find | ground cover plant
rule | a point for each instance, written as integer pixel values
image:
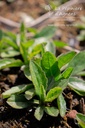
(39, 86)
(18, 46)
(49, 75)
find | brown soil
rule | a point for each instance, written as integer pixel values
(30, 7)
(13, 118)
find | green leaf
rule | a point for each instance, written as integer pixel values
(29, 94)
(38, 61)
(66, 74)
(81, 119)
(59, 44)
(63, 59)
(61, 83)
(8, 41)
(38, 47)
(82, 73)
(27, 72)
(32, 30)
(61, 105)
(28, 44)
(38, 77)
(50, 47)
(38, 41)
(78, 63)
(52, 111)
(53, 94)
(11, 35)
(1, 34)
(36, 50)
(39, 113)
(1, 47)
(6, 63)
(18, 101)
(22, 33)
(47, 32)
(9, 53)
(77, 85)
(53, 5)
(42, 93)
(50, 65)
(24, 53)
(16, 90)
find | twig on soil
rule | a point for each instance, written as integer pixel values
(39, 21)
(50, 14)
(68, 48)
(9, 22)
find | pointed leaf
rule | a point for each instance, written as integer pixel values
(77, 85)
(32, 30)
(66, 74)
(24, 53)
(50, 47)
(78, 63)
(22, 33)
(18, 102)
(9, 53)
(63, 59)
(39, 113)
(38, 77)
(50, 64)
(11, 35)
(61, 105)
(42, 93)
(59, 44)
(53, 94)
(16, 90)
(27, 72)
(28, 44)
(52, 111)
(62, 83)
(29, 94)
(6, 63)
(36, 50)
(10, 43)
(47, 32)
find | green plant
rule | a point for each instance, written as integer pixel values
(49, 77)
(47, 84)
(14, 45)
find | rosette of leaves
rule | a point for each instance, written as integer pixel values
(47, 84)
(49, 76)
(20, 46)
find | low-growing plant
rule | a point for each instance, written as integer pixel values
(14, 45)
(48, 76)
